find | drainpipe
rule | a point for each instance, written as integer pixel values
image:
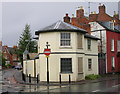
(34, 68)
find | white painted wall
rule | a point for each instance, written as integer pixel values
(53, 38)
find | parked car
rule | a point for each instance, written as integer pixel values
(19, 67)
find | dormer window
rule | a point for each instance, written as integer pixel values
(111, 25)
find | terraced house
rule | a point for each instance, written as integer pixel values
(73, 52)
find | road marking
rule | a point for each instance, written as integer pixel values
(96, 91)
(115, 86)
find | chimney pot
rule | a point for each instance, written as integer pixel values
(72, 15)
(99, 4)
(80, 7)
(114, 12)
(94, 12)
(66, 14)
(91, 12)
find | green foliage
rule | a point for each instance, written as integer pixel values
(8, 65)
(2, 60)
(25, 41)
(92, 77)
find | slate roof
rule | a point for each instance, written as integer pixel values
(90, 36)
(107, 26)
(60, 26)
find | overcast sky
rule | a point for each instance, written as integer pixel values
(39, 15)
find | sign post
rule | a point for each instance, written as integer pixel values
(47, 53)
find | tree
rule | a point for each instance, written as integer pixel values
(25, 42)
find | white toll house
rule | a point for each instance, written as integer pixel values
(73, 52)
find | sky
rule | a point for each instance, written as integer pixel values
(15, 15)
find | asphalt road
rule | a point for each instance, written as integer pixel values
(104, 86)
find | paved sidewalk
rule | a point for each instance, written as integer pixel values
(18, 78)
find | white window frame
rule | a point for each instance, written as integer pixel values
(66, 40)
(118, 45)
(66, 66)
(113, 61)
(112, 44)
(112, 25)
(89, 44)
(90, 63)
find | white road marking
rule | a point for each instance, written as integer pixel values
(96, 91)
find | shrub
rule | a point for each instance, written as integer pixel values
(8, 65)
(92, 77)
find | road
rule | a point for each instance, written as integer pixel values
(104, 86)
(9, 85)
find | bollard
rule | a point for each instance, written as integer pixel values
(60, 78)
(29, 78)
(37, 78)
(69, 79)
(23, 78)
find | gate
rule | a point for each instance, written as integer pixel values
(102, 63)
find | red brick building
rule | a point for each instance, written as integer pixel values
(100, 25)
(83, 22)
(9, 54)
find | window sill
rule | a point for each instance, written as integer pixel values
(89, 49)
(113, 51)
(89, 69)
(66, 72)
(79, 48)
(80, 72)
(65, 47)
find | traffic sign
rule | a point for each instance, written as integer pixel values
(47, 52)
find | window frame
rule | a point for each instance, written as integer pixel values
(113, 61)
(90, 63)
(112, 44)
(65, 38)
(64, 68)
(89, 44)
(118, 45)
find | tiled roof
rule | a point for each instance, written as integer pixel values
(60, 26)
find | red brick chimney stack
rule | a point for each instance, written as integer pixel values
(0, 43)
(80, 12)
(67, 18)
(102, 9)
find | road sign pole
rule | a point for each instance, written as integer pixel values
(47, 65)
(47, 71)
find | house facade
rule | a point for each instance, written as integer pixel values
(9, 54)
(73, 52)
(109, 43)
(80, 20)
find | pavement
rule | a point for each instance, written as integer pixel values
(18, 79)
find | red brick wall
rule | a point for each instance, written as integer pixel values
(112, 35)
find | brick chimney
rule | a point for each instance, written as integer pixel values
(15, 46)
(0, 43)
(80, 12)
(102, 9)
(67, 18)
